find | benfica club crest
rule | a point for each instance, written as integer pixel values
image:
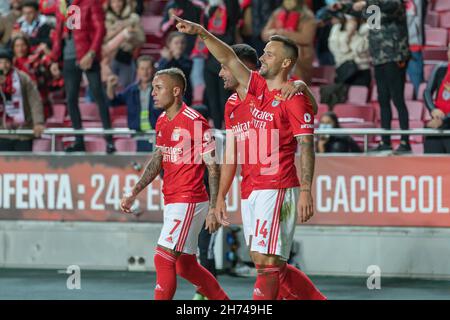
(277, 100)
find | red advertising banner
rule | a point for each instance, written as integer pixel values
(348, 190)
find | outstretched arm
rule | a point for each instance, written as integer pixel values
(219, 49)
(307, 159)
(152, 169)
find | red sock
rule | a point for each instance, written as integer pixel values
(166, 276)
(295, 285)
(267, 283)
(192, 271)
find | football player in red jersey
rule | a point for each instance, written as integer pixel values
(281, 125)
(184, 147)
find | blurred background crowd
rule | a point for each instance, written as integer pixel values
(86, 63)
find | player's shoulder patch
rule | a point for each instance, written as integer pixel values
(191, 113)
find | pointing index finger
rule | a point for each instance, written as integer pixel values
(177, 18)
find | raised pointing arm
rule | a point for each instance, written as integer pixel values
(219, 49)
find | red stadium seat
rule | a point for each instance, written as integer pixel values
(409, 91)
(42, 145)
(358, 95)
(435, 54)
(323, 75)
(351, 113)
(151, 24)
(155, 7)
(427, 70)
(95, 144)
(442, 5)
(119, 122)
(444, 18)
(415, 110)
(322, 108)
(315, 90)
(432, 19)
(59, 113)
(125, 145)
(45, 145)
(417, 148)
(421, 91)
(436, 37)
(89, 111)
(92, 124)
(120, 111)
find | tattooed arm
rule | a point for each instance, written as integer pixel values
(152, 169)
(307, 159)
(214, 177)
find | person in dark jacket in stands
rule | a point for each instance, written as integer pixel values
(328, 144)
(389, 49)
(173, 56)
(439, 107)
(142, 114)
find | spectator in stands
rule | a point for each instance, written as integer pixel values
(20, 106)
(80, 51)
(8, 21)
(261, 10)
(124, 35)
(334, 143)
(349, 43)
(416, 11)
(172, 56)
(439, 107)
(221, 20)
(34, 25)
(142, 114)
(389, 50)
(191, 10)
(36, 66)
(295, 21)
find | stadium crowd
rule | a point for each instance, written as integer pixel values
(93, 67)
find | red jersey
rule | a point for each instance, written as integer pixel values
(277, 123)
(183, 140)
(237, 119)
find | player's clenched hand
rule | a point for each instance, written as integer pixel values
(126, 203)
(212, 225)
(186, 26)
(221, 212)
(291, 88)
(305, 206)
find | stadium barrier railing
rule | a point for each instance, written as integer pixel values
(366, 133)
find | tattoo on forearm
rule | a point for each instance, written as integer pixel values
(152, 169)
(214, 179)
(307, 159)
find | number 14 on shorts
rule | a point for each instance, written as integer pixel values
(263, 230)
